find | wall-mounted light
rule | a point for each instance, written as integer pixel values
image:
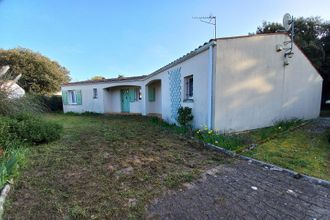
(279, 47)
(289, 55)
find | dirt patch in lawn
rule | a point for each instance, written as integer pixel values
(105, 167)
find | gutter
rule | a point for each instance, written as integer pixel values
(210, 85)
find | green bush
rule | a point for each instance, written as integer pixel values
(32, 129)
(27, 104)
(5, 124)
(8, 139)
(12, 150)
(52, 103)
(185, 116)
(27, 128)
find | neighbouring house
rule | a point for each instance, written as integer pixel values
(232, 84)
(12, 89)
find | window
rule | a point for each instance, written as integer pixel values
(189, 87)
(134, 94)
(151, 94)
(95, 93)
(139, 93)
(72, 98)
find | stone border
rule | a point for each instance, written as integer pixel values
(270, 166)
(4, 192)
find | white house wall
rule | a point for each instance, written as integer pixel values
(302, 88)
(88, 103)
(155, 106)
(253, 88)
(107, 102)
(113, 102)
(198, 67)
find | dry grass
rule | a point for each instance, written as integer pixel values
(105, 167)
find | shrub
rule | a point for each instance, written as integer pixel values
(35, 130)
(185, 116)
(11, 150)
(10, 105)
(52, 103)
(26, 104)
(4, 127)
(8, 138)
(5, 134)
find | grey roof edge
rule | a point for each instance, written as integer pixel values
(192, 53)
(104, 81)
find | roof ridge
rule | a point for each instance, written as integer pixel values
(251, 35)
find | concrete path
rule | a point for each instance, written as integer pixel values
(244, 191)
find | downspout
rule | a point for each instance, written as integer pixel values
(210, 86)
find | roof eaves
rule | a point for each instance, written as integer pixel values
(192, 53)
(250, 35)
(111, 80)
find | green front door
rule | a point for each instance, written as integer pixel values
(124, 97)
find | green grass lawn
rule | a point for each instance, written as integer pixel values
(299, 149)
(290, 144)
(105, 167)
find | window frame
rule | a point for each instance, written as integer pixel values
(138, 94)
(72, 97)
(151, 94)
(189, 88)
(95, 93)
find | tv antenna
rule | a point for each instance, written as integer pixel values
(288, 24)
(212, 20)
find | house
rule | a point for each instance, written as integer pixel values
(232, 84)
(10, 87)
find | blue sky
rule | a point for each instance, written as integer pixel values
(103, 37)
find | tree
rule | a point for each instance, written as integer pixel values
(40, 75)
(312, 35)
(98, 78)
(269, 27)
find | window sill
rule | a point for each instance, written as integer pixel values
(188, 100)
